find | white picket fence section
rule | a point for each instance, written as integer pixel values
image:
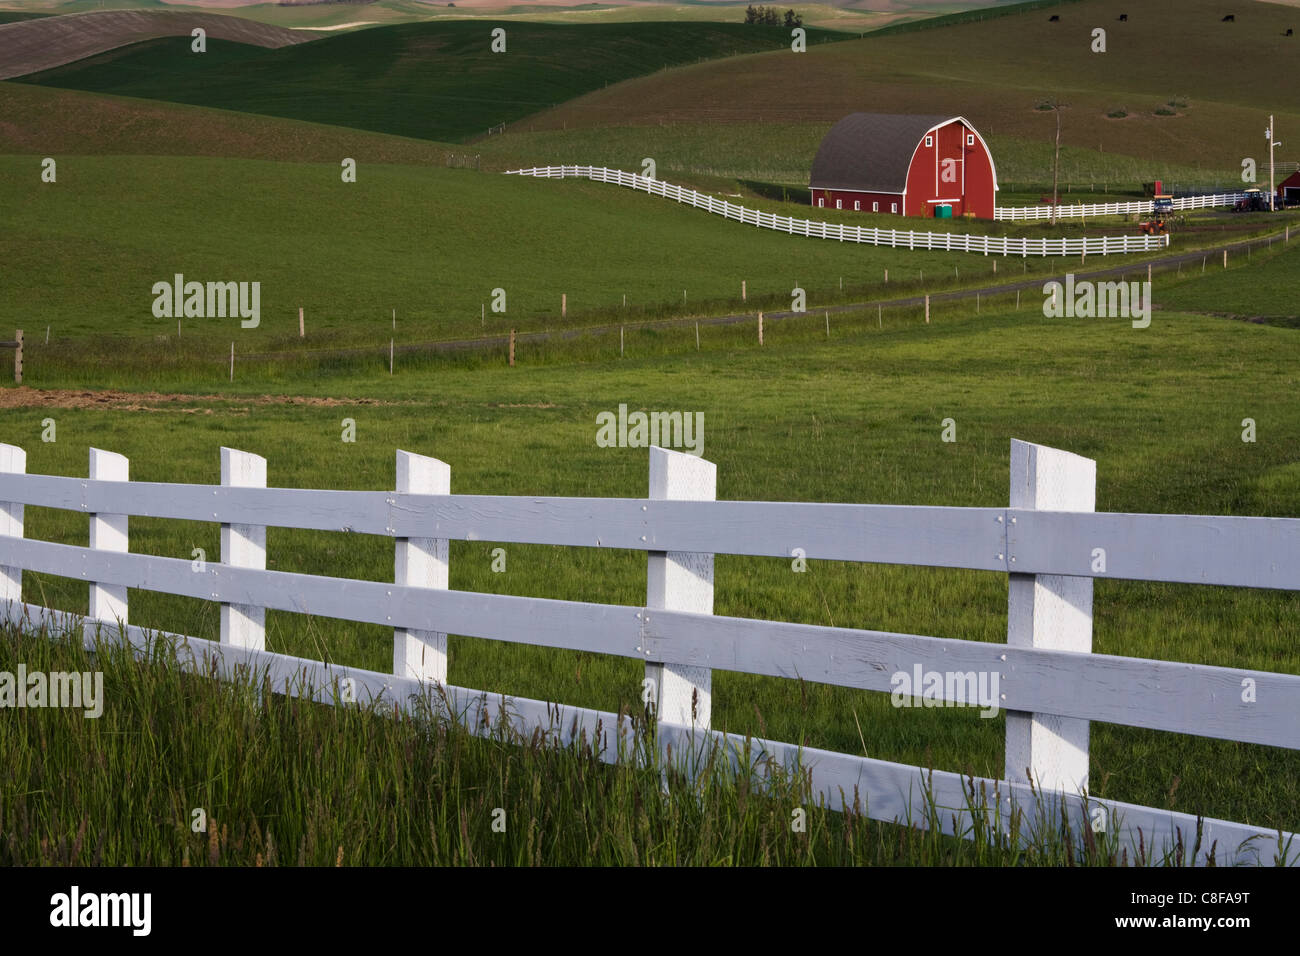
(1140, 207)
(898, 238)
(1049, 541)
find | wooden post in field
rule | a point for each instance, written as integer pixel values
(13, 461)
(880, 321)
(744, 295)
(697, 336)
(995, 267)
(680, 581)
(1225, 258)
(927, 310)
(1148, 272)
(1203, 258)
(1017, 300)
(390, 356)
(232, 361)
(760, 328)
(302, 327)
(243, 546)
(977, 303)
(482, 314)
(886, 276)
(108, 533)
(620, 341)
(512, 348)
(828, 323)
(18, 356)
(421, 563)
(1048, 611)
(564, 304)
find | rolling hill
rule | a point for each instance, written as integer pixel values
(430, 80)
(1192, 90)
(41, 43)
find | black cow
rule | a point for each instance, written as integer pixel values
(1053, 18)
(1289, 32)
(1123, 18)
(1230, 18)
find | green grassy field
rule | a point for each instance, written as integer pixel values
(855, 418)
(431, 243)
(438, 80)
(1267, 291)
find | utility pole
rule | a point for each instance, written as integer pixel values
(1272, 189)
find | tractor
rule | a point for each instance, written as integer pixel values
(1252, 200)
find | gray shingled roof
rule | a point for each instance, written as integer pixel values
(870, 151)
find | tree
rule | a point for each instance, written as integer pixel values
(751, 15)
(792, 19)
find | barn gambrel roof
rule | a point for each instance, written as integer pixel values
(871, 152)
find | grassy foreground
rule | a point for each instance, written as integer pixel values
(853, 417)
(181, 770)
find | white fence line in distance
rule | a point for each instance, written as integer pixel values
(897, 238)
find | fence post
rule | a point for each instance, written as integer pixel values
(13, 461)
(108, 533)
(243, 546)
(680, 581)
(1048, 611)
(18, 357)
(421, 563)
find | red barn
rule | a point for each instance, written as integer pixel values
(1288, 191)
(908, 165)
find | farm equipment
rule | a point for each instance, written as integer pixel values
(1254, 200)
(1153, 227)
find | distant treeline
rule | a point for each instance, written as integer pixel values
(772, 17)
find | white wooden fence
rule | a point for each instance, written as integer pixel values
(1049, 541)
(899, 238)
(1141, 207)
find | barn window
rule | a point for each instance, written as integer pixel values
(821, 203)
(970, 139)
(929, 141)
(839, 204)
(875, 207)
(893, 207)
(857, 205)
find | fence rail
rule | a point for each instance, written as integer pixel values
(1140, 207)
(1050, 543)
(898, 238)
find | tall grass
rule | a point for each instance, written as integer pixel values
(183, 770)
